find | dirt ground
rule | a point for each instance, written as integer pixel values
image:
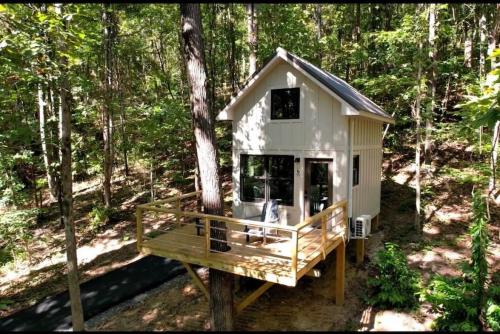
(179, 305)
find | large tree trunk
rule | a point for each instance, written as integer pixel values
(221, 283)
(252, 37)
(108, 36)
(432, 83)
(47, 153)
(66, 189)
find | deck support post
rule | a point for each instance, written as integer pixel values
(253, 296)
(375, 223)
(360, 250)
(340, 274)
(196, 279)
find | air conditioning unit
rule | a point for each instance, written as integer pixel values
(361, 227)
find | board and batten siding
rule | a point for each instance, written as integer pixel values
(320, 132)
(367, 142)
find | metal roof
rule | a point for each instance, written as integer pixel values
(338, 86)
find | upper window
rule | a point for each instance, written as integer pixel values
(285, 103)
(265, 177)
(355, 170)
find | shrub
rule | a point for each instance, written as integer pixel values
(454, 301)
(99, 216)
(493, 315)
(395, 284)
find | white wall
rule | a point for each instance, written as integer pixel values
(321, 132)
(367, 141)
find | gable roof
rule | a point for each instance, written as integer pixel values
(358, 103)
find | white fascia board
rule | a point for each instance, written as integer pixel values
(375, 117)
(227, 114)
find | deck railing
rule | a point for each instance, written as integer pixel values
(292, 245)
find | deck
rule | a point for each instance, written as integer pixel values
(289, 253)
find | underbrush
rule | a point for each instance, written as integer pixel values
(16, 233)
(395, 285)
(467, 303)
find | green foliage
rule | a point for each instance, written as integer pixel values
(459, 302)
(395, 284)
(475, 174)
(493, 315)
(480, 241)
(4, 303)
(99, 216)
(16, 231)
(454, 300)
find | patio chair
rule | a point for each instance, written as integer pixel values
(269, 214)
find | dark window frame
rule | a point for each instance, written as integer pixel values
(295, 95)
(267, 178)
(355, 170)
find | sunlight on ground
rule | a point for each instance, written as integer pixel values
(395, 321)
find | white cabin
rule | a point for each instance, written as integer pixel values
(306, 138)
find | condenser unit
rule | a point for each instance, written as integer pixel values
(361, 227)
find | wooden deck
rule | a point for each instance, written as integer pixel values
(289, 253)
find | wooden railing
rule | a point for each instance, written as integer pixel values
(294, 245)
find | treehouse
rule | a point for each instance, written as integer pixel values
(307, 151)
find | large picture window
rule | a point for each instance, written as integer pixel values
(285, 103)
(265, 177)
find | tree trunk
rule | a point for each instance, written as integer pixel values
(252, 37)
(108, 36)
(432, 83)
(496, 129)
(494, 157)
(417, 144)
(493, 37)
(319, 27)
(468, 49)
(232, 49)
(66, 188)
(357, 24)
(47, 154)
(221, 283)
(482, 41)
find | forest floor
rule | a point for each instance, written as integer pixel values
(179, 305)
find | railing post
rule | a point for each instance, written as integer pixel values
(295, 248)
(178, 208)
(207, 236)
(323, 236)
(140, 230)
